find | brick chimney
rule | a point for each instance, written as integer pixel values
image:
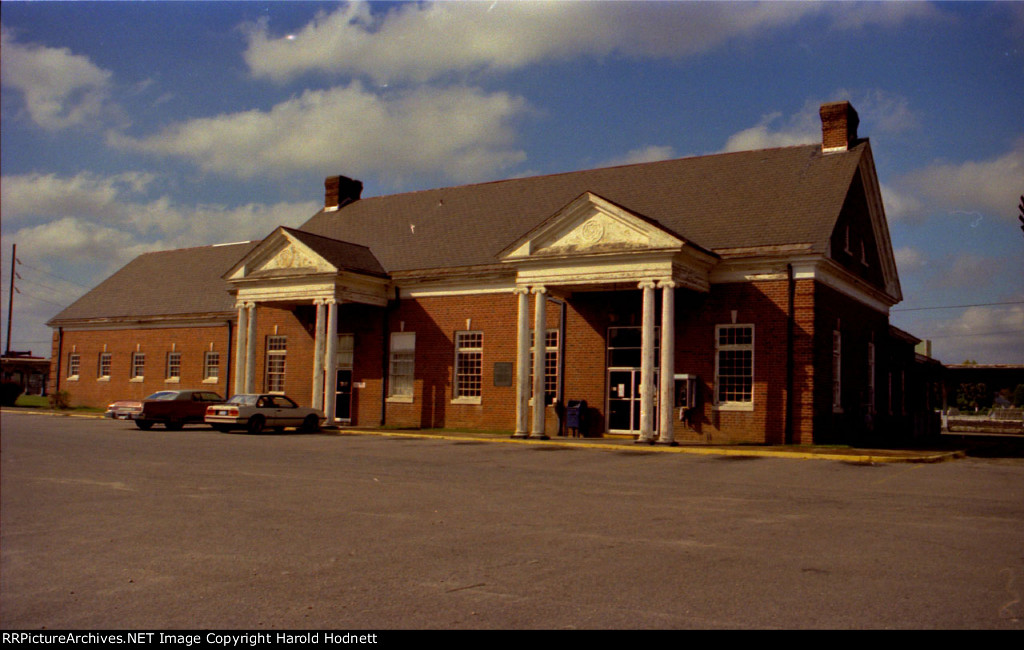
(340, 191)
(838, 126)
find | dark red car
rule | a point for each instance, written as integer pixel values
(171, 408)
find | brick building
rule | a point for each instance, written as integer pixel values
(740, 297)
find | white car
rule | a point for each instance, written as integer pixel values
(259, 412)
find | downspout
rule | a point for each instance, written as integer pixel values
(60, 353)
(384, 370)
(790, 324)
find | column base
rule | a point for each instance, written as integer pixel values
(644, 441)
(668, 443)
(520, 435)
(539, 436)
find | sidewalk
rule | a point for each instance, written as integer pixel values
(805, 452)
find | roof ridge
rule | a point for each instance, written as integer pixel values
(584, 171)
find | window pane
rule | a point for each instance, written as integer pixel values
(735, 364)
(468, 363)
(403, 345)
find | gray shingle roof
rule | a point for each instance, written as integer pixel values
(175, 282)
(790, 195)
(342, 254)
(772, 197)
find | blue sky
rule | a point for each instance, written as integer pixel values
(129, 127)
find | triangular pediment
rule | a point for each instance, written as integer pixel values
(591, 225)
(280, 254)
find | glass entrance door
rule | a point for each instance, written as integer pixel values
(624, 352)
(624, 400)
(343, 396)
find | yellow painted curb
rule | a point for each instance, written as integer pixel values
(681, 449)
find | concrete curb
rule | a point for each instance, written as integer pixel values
(866, 457)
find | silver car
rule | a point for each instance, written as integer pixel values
(259, 412)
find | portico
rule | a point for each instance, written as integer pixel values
(590, 245)
(291, 268)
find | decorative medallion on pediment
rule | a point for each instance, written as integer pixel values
(290, 257)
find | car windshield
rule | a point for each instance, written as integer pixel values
(163, 395)
(243, 400)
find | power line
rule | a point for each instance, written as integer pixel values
(980, 304)
(52, 275)
(965, 335)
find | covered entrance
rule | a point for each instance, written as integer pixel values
(294, 268)
(589, 244)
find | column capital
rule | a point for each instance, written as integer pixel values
(521, 291)
(240, 304)
(319, 301)
(646, 284)
(539, 289)
(250, 304)
(667, 284)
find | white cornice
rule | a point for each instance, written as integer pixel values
(147, 322)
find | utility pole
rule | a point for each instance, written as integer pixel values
(1021, 208)
(10, 298)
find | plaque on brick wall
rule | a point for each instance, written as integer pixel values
(503, 373)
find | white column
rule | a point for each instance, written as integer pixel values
(666, 402)
(523, 364)
(319, 345)
(331, 365)
(250, 349)
(539, 330)
(241, 335)
(647, 365)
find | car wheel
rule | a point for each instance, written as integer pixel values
(256, 424)
(174, 425)
(311, 424)
(145, 425)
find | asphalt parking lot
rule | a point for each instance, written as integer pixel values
(105, 526)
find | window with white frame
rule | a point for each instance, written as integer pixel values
(402, 365)
(138, 365)
(211, 365)
(550, 365)
(173, 366)
(837, 371)
(103, 365)
(469, 355)
(277, 350)
(74, 365)
(871, 378)
(734, 365)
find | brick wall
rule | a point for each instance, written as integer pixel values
(89, 389)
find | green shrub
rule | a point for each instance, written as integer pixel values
(60, 400)
(9, 392)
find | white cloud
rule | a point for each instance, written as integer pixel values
(60, 89)
(87, 218)
(986, 334)
(909, 259)
(419, 42)
(422, 41)
(463, 133)
(878, 109)
(651, 153)
(898, 204)
(766, 136)
(85, 194)
(991, 187)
